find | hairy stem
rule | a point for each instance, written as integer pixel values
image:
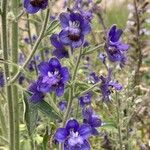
(138, 49)
(14, 50)
(7, 75)
(72, 89)
(31, 42)
(71, 93)
(34, 47)
(118, 121)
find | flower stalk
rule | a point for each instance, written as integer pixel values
(71, 93)
(14, 53)
(34, 47)
(118, 109)
(138, 49)
(8, 88)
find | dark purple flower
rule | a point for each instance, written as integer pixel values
(1, 79)
(62, 105)
(34, 38)
(74, 28)
(21, 79)
(74, 136)
(33, 6)
(83, 7)
(90, 117)
(59, 51)
(88, 15)
(94, 78)
(107, 85)
(34, 89)
(54, 76)
(31, 65)
(86, 99)
(26, 40)
(115, 49)
(102, 57)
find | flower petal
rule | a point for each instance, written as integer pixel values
(95, 131)
(60, 90)
(116, 85)
(85, 146)
(61, 134)
(37, 97)
(55, 42)
(65, 74)
(63, 35)
(44, 68)
(95, 121)
(72, 124)
(112, 31)
(54, 63)
(30, 9)
(85, 131)
(64, 19)
(86, 27)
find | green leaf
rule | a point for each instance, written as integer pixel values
(53, 25)
(44, 107)
(30, 114)
(109, 127)
(45, 139)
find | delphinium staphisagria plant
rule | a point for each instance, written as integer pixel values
(59, 85)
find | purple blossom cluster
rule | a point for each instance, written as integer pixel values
(53, 76)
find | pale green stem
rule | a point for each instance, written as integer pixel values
(71, 93)
(34, 47)
(118, 107)
(7, 75)
(3, 122)
(89, 89)
(31, 42)
(14, 50)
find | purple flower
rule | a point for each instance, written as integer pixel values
(33, 6)
(108, 85)
(21, 79)
(74, 136)
(86, 99)
(34, 88)
(115, 48)
(74, 28)
(54, 76)
(59, 51)
(92, 119)
(102, 57)
(27, 40)
(1, 79)
(94, 78)
(62, 105)
(31, 65)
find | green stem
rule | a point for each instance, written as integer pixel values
(72, 89)
(3, 122)
(88, 90)
(138, 49)
(118, 120)
(34, 47)
(14, 50)
(31, 42)
(71, 93)
(7, 75)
